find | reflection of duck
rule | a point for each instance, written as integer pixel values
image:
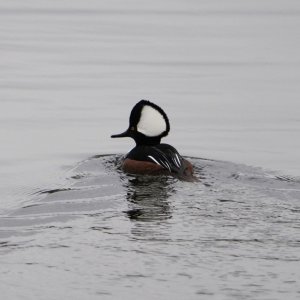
(148, 123)
(147, 198)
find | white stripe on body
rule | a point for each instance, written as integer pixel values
(151, 157)
(162, 164)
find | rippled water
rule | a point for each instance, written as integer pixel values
(227, 74)
(233, 235)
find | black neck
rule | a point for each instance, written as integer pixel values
(141, 139)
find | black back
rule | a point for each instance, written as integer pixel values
(162, 154)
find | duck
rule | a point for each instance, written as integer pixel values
(148, 124)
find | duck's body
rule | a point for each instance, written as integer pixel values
(148, 124)
(158, 159)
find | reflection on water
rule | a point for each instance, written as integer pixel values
(148, 197)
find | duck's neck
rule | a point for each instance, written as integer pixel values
(142, 140)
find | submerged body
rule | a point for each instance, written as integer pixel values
(148, 123)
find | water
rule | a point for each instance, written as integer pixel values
(227, 74)
(233, 235)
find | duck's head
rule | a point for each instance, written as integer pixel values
(148, 123)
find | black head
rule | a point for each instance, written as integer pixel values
(148, 123)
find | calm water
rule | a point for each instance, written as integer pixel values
(228, 76)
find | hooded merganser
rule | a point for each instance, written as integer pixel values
(148, 123)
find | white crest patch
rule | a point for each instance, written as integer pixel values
(152, 122)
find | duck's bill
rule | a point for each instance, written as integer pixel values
(120, 135)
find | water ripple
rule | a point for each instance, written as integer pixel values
(233, 224)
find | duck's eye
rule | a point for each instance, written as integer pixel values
(132, 128)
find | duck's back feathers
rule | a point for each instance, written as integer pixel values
(161, 157)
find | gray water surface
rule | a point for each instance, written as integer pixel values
(226, 72)
(235, 234)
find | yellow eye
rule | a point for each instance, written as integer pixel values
(132, 128)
